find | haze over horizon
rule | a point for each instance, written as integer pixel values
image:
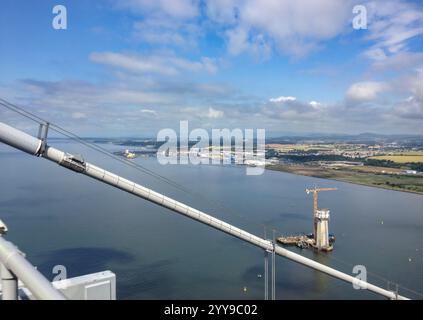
(133, 67)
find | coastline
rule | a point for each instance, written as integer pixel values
(354, 177)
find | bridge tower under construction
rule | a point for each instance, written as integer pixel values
(322, 229)
(320, 221)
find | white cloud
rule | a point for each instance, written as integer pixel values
(391, 24)
(237, 40)
(410, 108)
(178, 9)
(214, 114)
(260, 27)
(156, 63)
(415, 83)
(282, 99)
(289, 108)
(299, 27)
(365, 91)
(388, 99)
(166, 32)
(78, 115)
(117, 108)
(375, 54)
(200, 113)
(222, 11)
(315, 104)
(149, 111)
(294, 27)
(402, 62)
(133, 63)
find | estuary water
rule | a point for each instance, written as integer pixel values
(58, 217)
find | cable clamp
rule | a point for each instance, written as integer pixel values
(42, 135)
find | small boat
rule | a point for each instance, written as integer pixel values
(129, 155)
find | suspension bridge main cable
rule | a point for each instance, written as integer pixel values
(378, 276)
(74, 137)
(95, 147)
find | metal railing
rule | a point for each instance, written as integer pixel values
(14, 266)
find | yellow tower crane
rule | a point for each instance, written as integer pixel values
(315, 191)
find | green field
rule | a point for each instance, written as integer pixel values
(402, 158)
(298, 147)
(396, 182)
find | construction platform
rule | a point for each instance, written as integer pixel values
(303, 242)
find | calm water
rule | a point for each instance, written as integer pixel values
(59, 217)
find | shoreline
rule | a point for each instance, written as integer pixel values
(342, 176)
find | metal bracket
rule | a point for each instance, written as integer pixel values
(75, 163)
(42, 135)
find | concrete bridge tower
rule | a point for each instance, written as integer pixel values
(320, 221)
(322, 229)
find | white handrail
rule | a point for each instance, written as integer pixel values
(14, 264)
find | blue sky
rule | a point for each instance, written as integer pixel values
(133, 67)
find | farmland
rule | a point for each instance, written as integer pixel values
(390, 166)
(366, 175)
(416, 157)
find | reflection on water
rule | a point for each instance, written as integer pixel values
(320, 282)
(59, 217)
(83, 260)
